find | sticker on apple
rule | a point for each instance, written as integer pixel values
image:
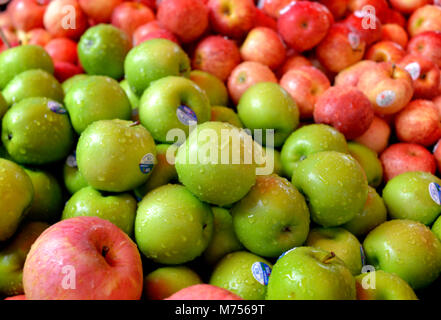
(354, 40)
(71, 160)
(147, 163)
(261, 272)
(283, 254)
(414, 70)
(363, 256)
(385, 98)
(435, 192)
(56, 107)
(186, 115)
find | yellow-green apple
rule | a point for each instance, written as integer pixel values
(203, 292)
(3, 106)
(69, 83)
(406, 248)
(427, 44)
(214, 88)
(128, 16)
(426, 18)
(385, 51)
(27, 14)
(133, 98)
(172, 226)
(225, 114)
(436, 228)
(395, 33)
(368, 159)
(334, 185)
(99, 11)
(73, 178)
(351, 75)
(95, 260)
(323, 276)
(55, 21)
(376, 137)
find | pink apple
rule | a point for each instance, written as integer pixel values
(273, 7)
(427, 18)
(99, 10)
(427, 44)
(395, 33)
(376, 137)
(203, 292)
(128, 16)
(62, 49)
(385, 51)
(292, 62)
(27, 14)
(351, 75)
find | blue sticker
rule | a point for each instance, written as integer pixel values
(147, 163)
(261, 272)
(71, 160)
(363, 256)
(435, 192)
(285, 253)
(56, 107)
(186, 115)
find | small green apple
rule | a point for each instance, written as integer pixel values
(267, 105)
(436, 228)
(270, 160)
(120, 209)
(225, 114)
(306, 273)
(368, 159)
(335, 187)
(115, 155)
(96, 98)
(37, 131)
(340, 241)
(172, 226)
(172, 103)
(73, 178)
(71, 82)
(152, 60)
(19, 59)
(407, 196)
(406, 248)
(235, 273)
(308, 140)
(214, 88)
(272, 218)
(133, 98)
(3, 106)
(16, 194)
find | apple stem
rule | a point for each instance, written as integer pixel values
(136, 123)
(4, 39)
(330, 256)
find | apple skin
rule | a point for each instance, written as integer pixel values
(308, 140)
(3, 106)
(368, 159)
(267, 105)
(13, 257)
(66, 70)
(110, 155)
(160, 103)
(395, 33)
(128, 16)
(165, 281)
(385, 51)
(356, 21)
(436, 228)
(426, 18)
(34, 134)
(71, 82)
(381, 7)
(273, 7)
(33, 83)
(214, 88)
(324, 277)
(203, 292)
(264, 20)
(404, 157)
(120, 209)
(373, 214)
(19, 59)
(153, 60)
(340, 241)
(272, 218)
(376, 137)
(106, 261)
(388, 286)
(37, 36)
(351, 75)
(73, 178)
(152, 30)
(387, 248)
(225, 114)
(133, 98)
(96, 98)
(185, 235)
(100, 11)
(62, 49)
(234, 273)
(335, 187)
(27, 14)
(293, 61)
(427, 44)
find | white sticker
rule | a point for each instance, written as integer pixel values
(186, 115)
(56, 107)
(147, 163)
(414, 70)
(386, 98)
(359, 14)
(71, 160)
(261, 272)
(435, 192)
(283, 254)
(354, 40)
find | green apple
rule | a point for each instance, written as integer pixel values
(152, 60)
(340, 241)
(306, 273)
(16, 194)
(73, 178)
(436, 228)
(3, 106)
(373, 214)
(96, 98)
(368, 159)
(48, 197)
(215, 163)
(37, 131)
(33, 83)
(308, 140)
(407, 248)
(165, 281)
(225, 114)
(71, 82)
(164, 171)
(115, 155)
(172, 226)
(19, 59)
(224, 239)
(407, 196)
(173, 103)
(235, 273)
(388, 286)
(120, 209)
(334, 185)
(13, 256)
(133, 98)
(267, 105)
(102, 50)
(270, 161)
(272, 218)
(214, 88)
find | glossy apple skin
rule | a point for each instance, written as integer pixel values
(370, 35)
(385, 51)
(80, 243)
(165, 281)
(99, 10)
(388, 286)
(338, 8)
(203, 292)
(62, 49)
(351, 75)
(293, 62)
(368, 159)
(18, 297)
(73, 179)
(387, 248)
(403, 157)
(66, 70)
(225, 114)
(233, 273)
(324, 277)
(26, 15)
(426, 18)
(264, 20)
(393, 16)
(273, 7)
(396, 33)
(376, 137)
(427, 44)
(335, 186)
(381, 6)
(215, 89)
(140, 36)
(128, 16)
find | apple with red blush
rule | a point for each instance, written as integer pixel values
(356, 22)
(385, 51)
(62, 49)
(100, 11)
(408, 6)
(293, 62)
(426, 18)
(264, 20)
(376, 137)
(351, 75)
(57, 23)
(395, 33)
(273, 7)
(38, 37)
(427, 44)
(380, 6)
(26, 15)
(128, 16)
(65, 70)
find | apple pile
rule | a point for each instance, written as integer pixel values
(114, 114)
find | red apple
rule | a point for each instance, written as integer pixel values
(437, 155)
(128, 16)
(408, 6)
(26, 15)
(232, 18)
(203, 292)
(39, 37)
(273, 7)
(351, 75)
(395, 33)
(63, 49)
(385, 51)
(99, 10)
(305, 85)
(338, 8)
(152, 30)
(65, 70)
(427, 18)
(427, 44)
(392, 16)
(304, 24)
(380, 7)
(404, 157)
(369, 28)
(264, 20)
(83, 258)
(293, 62)
(216, 55)
(247, 74)
(19, 297)
(265, 46)
(5, 21)
(376, 137)
(437, 102)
